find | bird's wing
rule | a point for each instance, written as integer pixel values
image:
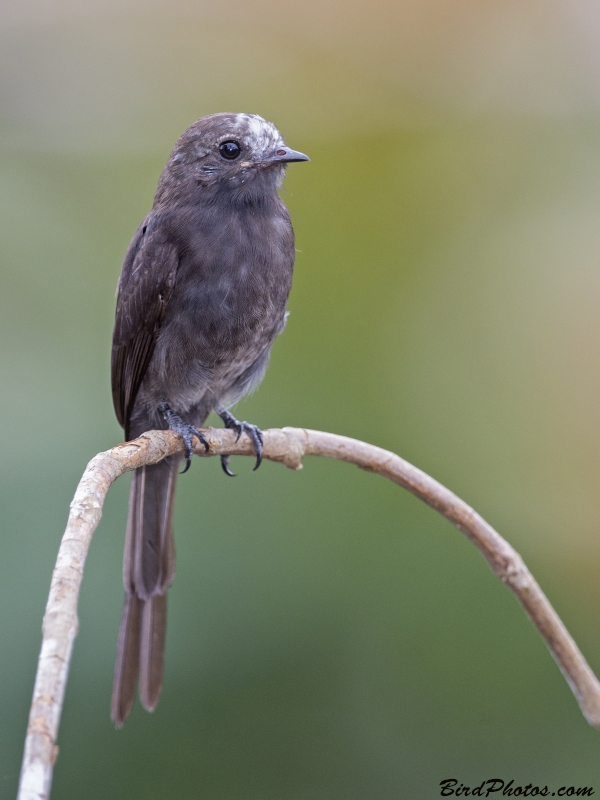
(146, 282)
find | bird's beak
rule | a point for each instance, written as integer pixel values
(283, 155)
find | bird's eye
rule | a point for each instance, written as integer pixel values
(230, 150)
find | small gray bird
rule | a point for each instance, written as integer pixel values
(201, 298)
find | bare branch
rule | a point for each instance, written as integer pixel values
(288, 446)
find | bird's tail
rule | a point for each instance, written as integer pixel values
(148, 568)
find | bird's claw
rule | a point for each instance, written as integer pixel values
(253, 432)
(225, 466)
(186, 431)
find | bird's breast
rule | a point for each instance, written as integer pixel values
(232, 286)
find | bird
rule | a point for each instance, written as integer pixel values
(201, 297)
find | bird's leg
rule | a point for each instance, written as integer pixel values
(241, 427)
(185, 430)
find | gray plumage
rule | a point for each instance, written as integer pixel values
(201, 298)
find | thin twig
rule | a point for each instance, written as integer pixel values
(287, 446)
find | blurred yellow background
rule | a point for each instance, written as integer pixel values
(328, 637)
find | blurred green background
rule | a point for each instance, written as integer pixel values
(329, 637)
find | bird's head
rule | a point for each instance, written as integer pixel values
(239, 152)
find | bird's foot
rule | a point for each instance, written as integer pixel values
(253, 432)
(185, 430)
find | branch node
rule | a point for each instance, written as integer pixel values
(296, 448)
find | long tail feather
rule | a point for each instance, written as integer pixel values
(128, 659)
(148, 568)
(152, 648)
